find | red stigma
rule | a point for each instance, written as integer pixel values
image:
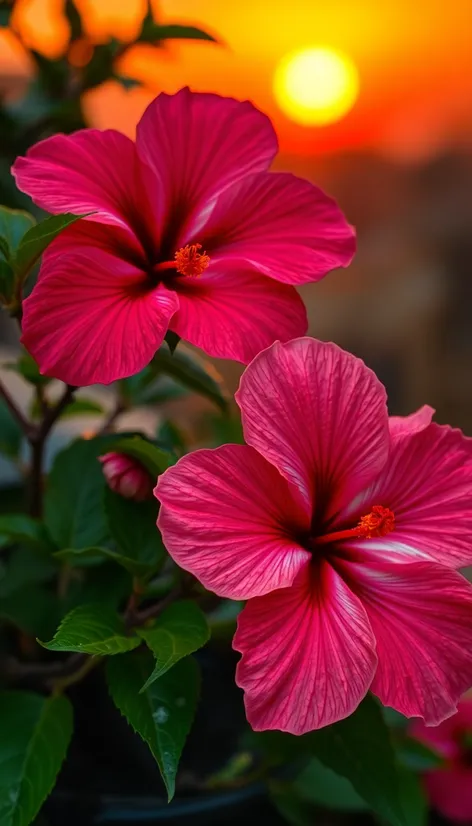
(379, 522)
(189, 261)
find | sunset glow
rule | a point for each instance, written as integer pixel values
(316, 86)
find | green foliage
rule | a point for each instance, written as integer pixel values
(145, 388)
(74, 513)
(32, 608)
(74, 19)
(101, 65)
(108, 584)
(133, 527)
(26, 566)
(195, 373)
(21, 528)
(163, 714)
(92, 629)
(38, 238)
(79, 407)
(154, 459)
(10, 433)
(180, 630)
(7, 282)
(26, 367)
(152, 32)
(359, 748)
(35, 734)
(14, 223)
(172, 340)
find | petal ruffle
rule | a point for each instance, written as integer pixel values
(308, 653)
(282, 226)
(229, 518)
(407, 425)
(421, 615)
(198, 144)
(319, 415)
(427, 482)
(237, 315)
(92, 318)
(88, 171)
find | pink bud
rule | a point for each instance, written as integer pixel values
(126, 476)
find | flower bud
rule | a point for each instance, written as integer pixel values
(127, 476)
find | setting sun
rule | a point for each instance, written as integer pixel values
(316, 86)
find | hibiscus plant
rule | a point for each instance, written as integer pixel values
(323, 546)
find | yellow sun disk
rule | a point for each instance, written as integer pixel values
(316, 86)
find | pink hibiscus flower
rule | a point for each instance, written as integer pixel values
(189, 232)
(450, 788)
(342, 528)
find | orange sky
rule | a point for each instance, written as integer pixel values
(414, 61)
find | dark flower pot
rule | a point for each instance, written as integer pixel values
(110, 776)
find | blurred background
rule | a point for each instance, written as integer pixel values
(371, 100)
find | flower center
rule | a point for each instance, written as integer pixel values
(379, 522)
(188, 261)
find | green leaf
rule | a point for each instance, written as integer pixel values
(172, 340)
(5, 13)
(107, 584)
(153, 33)
(417, 756)
(127, 82)
(26, 566)
(4, 249)
(38, 238)
(7, 282)
(413, 798)
(193, 372)
(79, 407)
(162, 715)
(180, 630)
(14, 223)
(35, 734)
(100, 66)
(27, 368)
(21, 528)
(92, 629)
(319, 785)
(133, 527)
(32, 608)
(144, 388)
(359, 748)
(84, 557)
(154, 459)
(74, 513)
(74, 20)
(292, 808)
(10, 433)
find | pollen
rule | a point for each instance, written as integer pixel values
(189, 261)
(379, 522)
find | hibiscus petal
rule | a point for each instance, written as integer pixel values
(199, 144)
(229, 518)
(427, 482)
(421, 615)
(281, 225)
(90, 319)
(450, 792)
(112, 239)
(237, 315)
(87, 171)
(308, 653)
(319, 415)
(406, 425)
